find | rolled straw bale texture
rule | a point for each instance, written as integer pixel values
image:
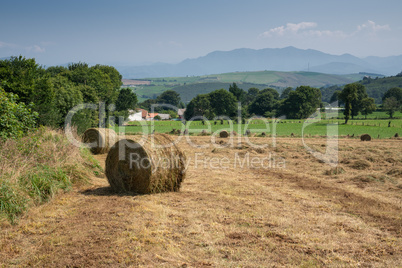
(145, 168)
(100, 140)
(365, 137)
(223, 134)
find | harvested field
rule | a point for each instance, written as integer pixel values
(239, 206)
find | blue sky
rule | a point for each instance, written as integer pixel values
(123, 32)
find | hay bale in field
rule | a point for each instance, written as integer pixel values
(99, 140)
(223, 134)
(154, 167)
(204, 133)
(365, 137)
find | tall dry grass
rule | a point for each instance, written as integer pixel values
(34, 168)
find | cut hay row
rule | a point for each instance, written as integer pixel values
(156, 166)
(99, 140)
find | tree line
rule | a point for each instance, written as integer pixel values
(293, 103)
(298, 103)
(32, 95)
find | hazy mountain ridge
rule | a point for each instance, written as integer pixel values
(278, 59)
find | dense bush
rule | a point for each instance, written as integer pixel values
(16, 119)
(56, 90)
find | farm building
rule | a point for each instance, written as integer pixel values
(180, 113)
(135, 116)
(164, 116)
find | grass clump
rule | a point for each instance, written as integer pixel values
(36, 167)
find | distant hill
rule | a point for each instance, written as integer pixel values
(188, 92)
(276, 59)
(189, 87)
(376, 88)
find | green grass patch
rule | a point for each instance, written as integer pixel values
(44, 182)
(282, 128)
(33, 169)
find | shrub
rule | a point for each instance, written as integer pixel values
(16, 118)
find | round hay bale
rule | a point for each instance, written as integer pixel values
(365, 137)
(154, 167)
(100, 140)
(203, 133)
(223, 134)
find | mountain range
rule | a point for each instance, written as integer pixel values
(278, 59)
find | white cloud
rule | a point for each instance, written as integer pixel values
(16, 47)
(36, 49)
(372, 27)
(290, 28)
(307, 29)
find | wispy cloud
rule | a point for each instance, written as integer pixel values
(308, 29)
(372, 27)
(289, 28)
(33, 48)
(36, 49)
(7, 45)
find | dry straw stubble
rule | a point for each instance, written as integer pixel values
(155, 166)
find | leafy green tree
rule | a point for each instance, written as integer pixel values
(301, 102)
(78, 73)
(173, 114)
(264, 102)
(20, 76)
(30, 82)
(391, 105)
(368, 106)
(105, 80)
(335, 97)
(395, 92)
(357, 102)
(126, 100)
(347, 95)
(274, 93)
(199, 106)
(114, 75)
(169, 97)
(16, 118)
(250, 96)
(147, 104)
(89, 94)
(285, 93)
(328, 92)
(223, 103)
(66, 96)
(57, 70)
(105, 89)
(237, 92)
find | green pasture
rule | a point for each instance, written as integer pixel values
(280, 128)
